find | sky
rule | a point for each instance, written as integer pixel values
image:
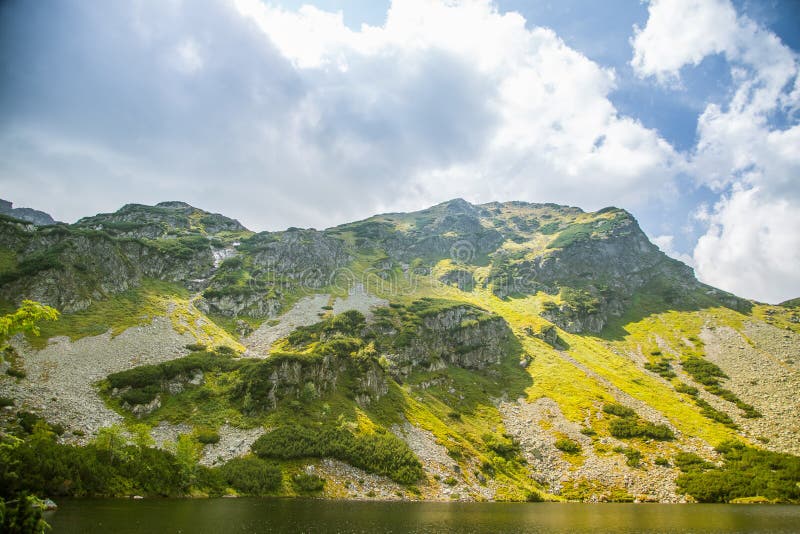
(311, 114)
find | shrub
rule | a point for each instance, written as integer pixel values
(618, 410)
(633, 457)
(307, 483)
(501, 446)
(251, 475)
(663, 462)
(207, 436)
(16, 373)
(140, 396)
(568, 446)
(381, 453)
(703, 371)
(631, 428)
(746, 472)
(687, 389)
(6, 401)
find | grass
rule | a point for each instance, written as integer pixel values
(134, 307)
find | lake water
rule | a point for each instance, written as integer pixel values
(285, 515)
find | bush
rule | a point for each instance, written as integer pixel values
(140, 396)
(703, 371)
(663, 462)
(631, 428)
(568, 446)
(6, 401)
(381, 453)
(251, 475)
(16, 373)
(207, 436)
(618, 410)
(633, 458)
(747, 472)
(501, 446)
(307, 483)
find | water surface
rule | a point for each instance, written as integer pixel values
(213, 516)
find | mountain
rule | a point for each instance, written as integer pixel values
(36, 217)
(500, 351)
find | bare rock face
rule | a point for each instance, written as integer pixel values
(462, 336)
(39, 218)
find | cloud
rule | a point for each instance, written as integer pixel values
(751, 247)
(667, 245)
(291, 118)
(746, 147)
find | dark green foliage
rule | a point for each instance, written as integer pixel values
(27, 421)
(618, 410)
(16, 372)
(715, 415)
(577, 302)
(22, 515)
(207, 436)
(502, 446)
(549, 228)
(687, 389)
(146, 381)
(34, 264)
(251, 475)
(143, 395)
(6, 401)
(40, 465)
(689, 461)
(703, 371)
(663, 462)
(633, 457)
(629, 425)
(631, 428)
(661, 367)
(381, 453)
(533, 496)
(747, 472)
(568, 446)
(307, 483)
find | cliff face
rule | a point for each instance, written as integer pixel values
(39, 218)
(462, 336)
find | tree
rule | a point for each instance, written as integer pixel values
(25, 319)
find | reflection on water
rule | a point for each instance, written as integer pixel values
(284, 515)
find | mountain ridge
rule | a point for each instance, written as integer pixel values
(505, 351)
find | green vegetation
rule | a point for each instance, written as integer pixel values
(633, 457)
(568, 446)
(134, 307)
(308, 483)
(709, 374)
(746, 472)
(381, 452)
(629, 425)
(142, 384)
(252, 476)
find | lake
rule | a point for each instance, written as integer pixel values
(200, 516)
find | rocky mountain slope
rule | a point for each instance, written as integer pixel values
(503, 351)
(36, 217)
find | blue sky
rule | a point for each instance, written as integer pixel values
(292, 113)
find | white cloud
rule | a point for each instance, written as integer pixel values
(752, 247)
(667, 245)
(742, 150)
(291, 118)
(682, 32)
